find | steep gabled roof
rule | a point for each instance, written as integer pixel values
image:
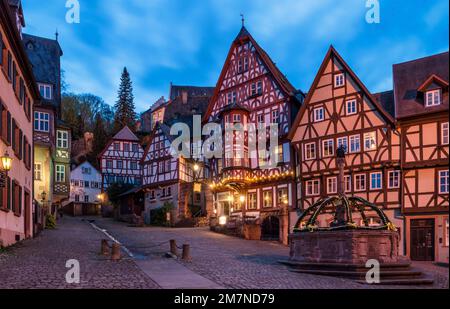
(126, 134)
(282, 81)
(333, 53)
(411, 76)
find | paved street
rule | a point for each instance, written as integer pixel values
(40, 263)
(218, 261)
(233, 262)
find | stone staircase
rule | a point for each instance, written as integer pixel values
(390, 274)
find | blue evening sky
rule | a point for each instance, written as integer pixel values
(187, 41)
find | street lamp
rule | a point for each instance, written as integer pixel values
(6, 162)
(196, 167)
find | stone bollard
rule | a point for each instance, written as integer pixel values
(186, 253)
(173, 247)
(104, 247)
(115, 252)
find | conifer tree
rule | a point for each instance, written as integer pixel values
(125, 114)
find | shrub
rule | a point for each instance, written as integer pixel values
(158, 216)
(50, 222)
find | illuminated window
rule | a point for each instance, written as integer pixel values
(268, 199)
(328, 148)
(370, 141)
(37, 171)
(310, 151)
(252, 203)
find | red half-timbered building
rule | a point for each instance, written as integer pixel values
(421, 95)
(249, 198)
(340, 111)
(168, 178)
(120, 160)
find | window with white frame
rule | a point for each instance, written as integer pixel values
(339, 80)
(38, 171)
(376, 181)
(319, 114)
(342, 142)
(332, 185)
(394, 179)
(443, 182)
(444, 133)
(126, 147)
(312, 187)
(60, 173)
(348, 183)
(260, 118)
(433, 97)
(236, 118)
(360, 182)
(46, 91)
(355, 144)
(328, 148)
(275, 117)
(351, 107)
(252, 202)
(370, 141)
(62, 139)
(310, 151)
(268, 199)
(41, 122)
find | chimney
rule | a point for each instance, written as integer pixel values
(184, 96)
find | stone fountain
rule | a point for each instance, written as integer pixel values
(343, 247)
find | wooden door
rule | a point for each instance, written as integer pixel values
(27, 214)
(422, 240)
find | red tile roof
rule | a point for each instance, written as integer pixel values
(410, 76)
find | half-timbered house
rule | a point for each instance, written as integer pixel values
(18, 92)
(52, 138)
(251, 198)
(168, 178)
(421, 99)
(120, 160)
(340, 111)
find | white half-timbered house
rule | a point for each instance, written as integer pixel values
(120, 160)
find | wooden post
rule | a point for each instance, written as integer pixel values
(186, 253)
(115, 252)
(104, 247)
(173, 247)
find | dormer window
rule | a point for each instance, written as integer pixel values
(46, 91)
(339, 80)
(433, 97)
